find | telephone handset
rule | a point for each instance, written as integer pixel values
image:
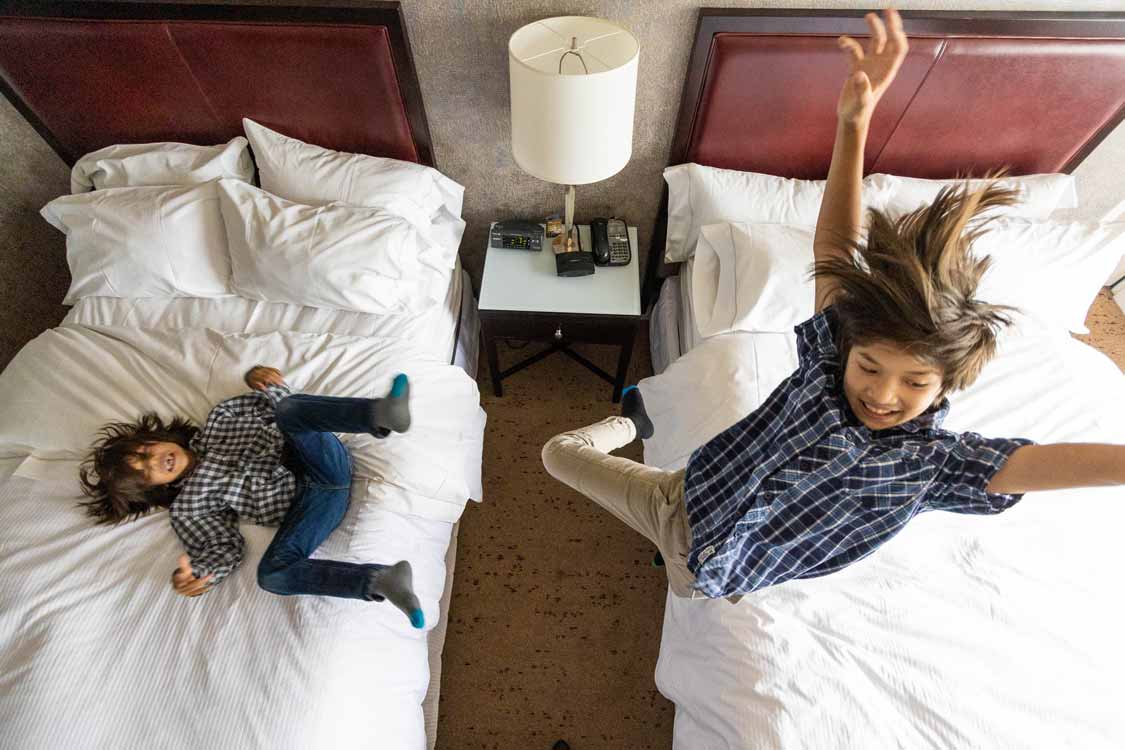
(611, 242)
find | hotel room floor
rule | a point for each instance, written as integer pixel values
(556, 614)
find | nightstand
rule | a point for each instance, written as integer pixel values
(521, 297)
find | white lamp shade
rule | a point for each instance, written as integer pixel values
(575, 127)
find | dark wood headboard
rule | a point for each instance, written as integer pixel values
(1032, 92)
(91, 74)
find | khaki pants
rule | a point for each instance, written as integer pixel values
(648, 500)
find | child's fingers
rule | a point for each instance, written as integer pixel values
(878, 33)
(894, 23)
(853, 48)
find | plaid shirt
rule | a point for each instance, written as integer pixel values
(800, 487)
(238, 474)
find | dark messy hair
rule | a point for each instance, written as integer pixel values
(117, 490)
(912, 284)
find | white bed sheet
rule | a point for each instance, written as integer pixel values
(352, 676)
(961, 632)
(436, 329)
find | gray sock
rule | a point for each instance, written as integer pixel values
(395, 583)
(392, 412)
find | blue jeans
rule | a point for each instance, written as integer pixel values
(324, 473)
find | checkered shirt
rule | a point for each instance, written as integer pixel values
(238, 474)
(800, 487)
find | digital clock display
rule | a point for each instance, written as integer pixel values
(516, 234)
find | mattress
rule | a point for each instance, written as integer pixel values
(961, 632)
(672, 330)
(446, 333)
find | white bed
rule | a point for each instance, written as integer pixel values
(962, 632)
(237, 667)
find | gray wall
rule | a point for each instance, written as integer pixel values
(460, 50)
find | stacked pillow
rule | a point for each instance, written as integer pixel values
(751, 268)
(700, 195)
(328, 229)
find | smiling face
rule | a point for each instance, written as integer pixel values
(162, 463)
(886, 386)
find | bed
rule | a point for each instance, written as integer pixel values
(97, 649)
(961, 631)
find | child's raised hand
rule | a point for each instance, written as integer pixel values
(185, 582)
(260, 376)
(871, 71)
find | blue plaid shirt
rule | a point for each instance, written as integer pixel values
(800, 487)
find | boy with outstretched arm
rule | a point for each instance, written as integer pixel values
(850, 447)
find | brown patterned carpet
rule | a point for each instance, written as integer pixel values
(556, 613)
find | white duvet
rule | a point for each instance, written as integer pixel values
(98, 652)
(962, 632)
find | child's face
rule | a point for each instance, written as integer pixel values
(886, 386)
(163, 463)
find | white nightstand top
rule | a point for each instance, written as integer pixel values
(527, 281)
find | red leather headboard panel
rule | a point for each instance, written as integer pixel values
(767, 105)
(1032, 92)
(1033, 104)
(91, 82)
(1029, 94)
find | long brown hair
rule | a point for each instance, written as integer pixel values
(912, 284)
(117, 490)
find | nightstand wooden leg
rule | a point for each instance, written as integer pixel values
(493, 364)
(623, 366)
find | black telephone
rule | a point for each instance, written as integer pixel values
(611, 242)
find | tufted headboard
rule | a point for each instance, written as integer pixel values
(1033, 92)
(91, 74)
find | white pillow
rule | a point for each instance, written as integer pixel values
(699, 195)
(755, 277)
(752, 277)
(142, 164)
(1052, 271)
(336, 256)
(143, 242)
(305, 173)
(1040, 194)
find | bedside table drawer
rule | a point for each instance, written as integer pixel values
(558, 327)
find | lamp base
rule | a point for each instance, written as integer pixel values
(569, 258)
(567, 244)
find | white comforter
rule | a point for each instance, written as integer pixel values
(98, 652)
(961, 632)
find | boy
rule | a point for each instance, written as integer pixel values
(849, 448)
(269, 457)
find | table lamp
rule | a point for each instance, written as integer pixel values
(573, 88)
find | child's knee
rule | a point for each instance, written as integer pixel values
(553, 454)
(271, 579)
(283, 412)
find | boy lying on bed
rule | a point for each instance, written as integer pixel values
(234, 468)
(849, 448)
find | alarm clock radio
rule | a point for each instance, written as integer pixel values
(516, 234)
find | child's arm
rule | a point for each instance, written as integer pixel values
(259, 377)
(841, 210)
(1060, 466)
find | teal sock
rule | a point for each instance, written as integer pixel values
(633, 408)
(392, 412)
(395, 583)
